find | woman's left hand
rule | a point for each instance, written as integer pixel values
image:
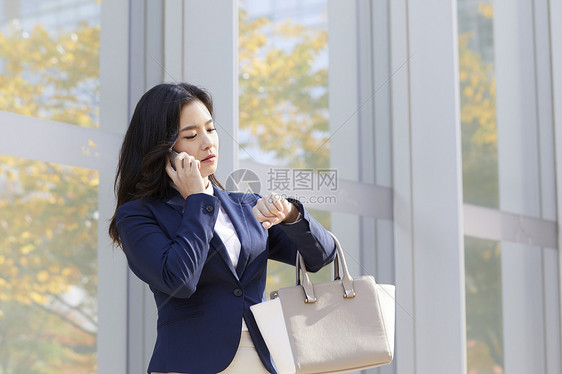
(273, 209)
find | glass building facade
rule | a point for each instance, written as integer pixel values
(426, 135)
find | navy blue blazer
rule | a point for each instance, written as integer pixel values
(171, 245)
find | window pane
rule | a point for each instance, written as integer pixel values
(49, 60)
(48, 267)
(478, 103)
(484, 325)
(283, 82)
(283, 52)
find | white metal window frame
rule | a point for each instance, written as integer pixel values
(112, 281)
(555, 28)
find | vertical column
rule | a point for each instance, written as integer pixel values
(556, 66)
(381, 142)
(136, 289)
(112, 267)
(173, 40)
(360, 129)
(523, 296)
(544, 109)
(344, 142)
(146, 68)
(516, 110)
(550, 279)
(525, 177)
(154, 34)
(375, 139)
(428, 189)
(154, 74)
(210, 59)
(547, 164)
(405, 354)
(366, 149)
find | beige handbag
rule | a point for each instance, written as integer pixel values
(332, 327)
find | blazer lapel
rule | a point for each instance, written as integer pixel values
(220, 248)
(237, 216)
(176, 201)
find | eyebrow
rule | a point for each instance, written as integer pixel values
(191, 127)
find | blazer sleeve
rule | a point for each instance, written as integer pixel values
(307, 236)
(172, 266)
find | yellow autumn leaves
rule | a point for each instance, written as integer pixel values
(51, 77)
(47, 208)
(284, 89)
(478, 93)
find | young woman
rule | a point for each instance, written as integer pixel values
(202, 250)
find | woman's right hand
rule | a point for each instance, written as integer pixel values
(186, 175)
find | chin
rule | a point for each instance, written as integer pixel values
(208, 173)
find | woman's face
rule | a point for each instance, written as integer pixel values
(198, 137)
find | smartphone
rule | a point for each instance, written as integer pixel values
(173, 154)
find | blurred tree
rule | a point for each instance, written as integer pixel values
(479, 134)
(484, 306)
(283, 92)
(51, 76)
(478, 118)
(480, 187)
(48, 212)
(48, 267)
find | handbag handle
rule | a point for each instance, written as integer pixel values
(347, 280)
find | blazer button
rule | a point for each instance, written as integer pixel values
(237, 292)
(209, 208)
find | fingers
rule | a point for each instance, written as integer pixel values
(263, 215)
(287, 206)
(271, 206)
(271, 210)
(182, 161)
(186, 175)
(186, 162)
(171, 171)
(275, 202)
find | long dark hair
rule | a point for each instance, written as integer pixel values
(152, 132)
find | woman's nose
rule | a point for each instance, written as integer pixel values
(207, 141)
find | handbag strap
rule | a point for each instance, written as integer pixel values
(347, 280)
(305, 282)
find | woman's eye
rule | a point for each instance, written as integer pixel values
(193, 136)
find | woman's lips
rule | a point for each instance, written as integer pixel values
(210, 159)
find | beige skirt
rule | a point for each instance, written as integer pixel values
(246, 358)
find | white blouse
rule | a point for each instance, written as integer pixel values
(225, 230)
